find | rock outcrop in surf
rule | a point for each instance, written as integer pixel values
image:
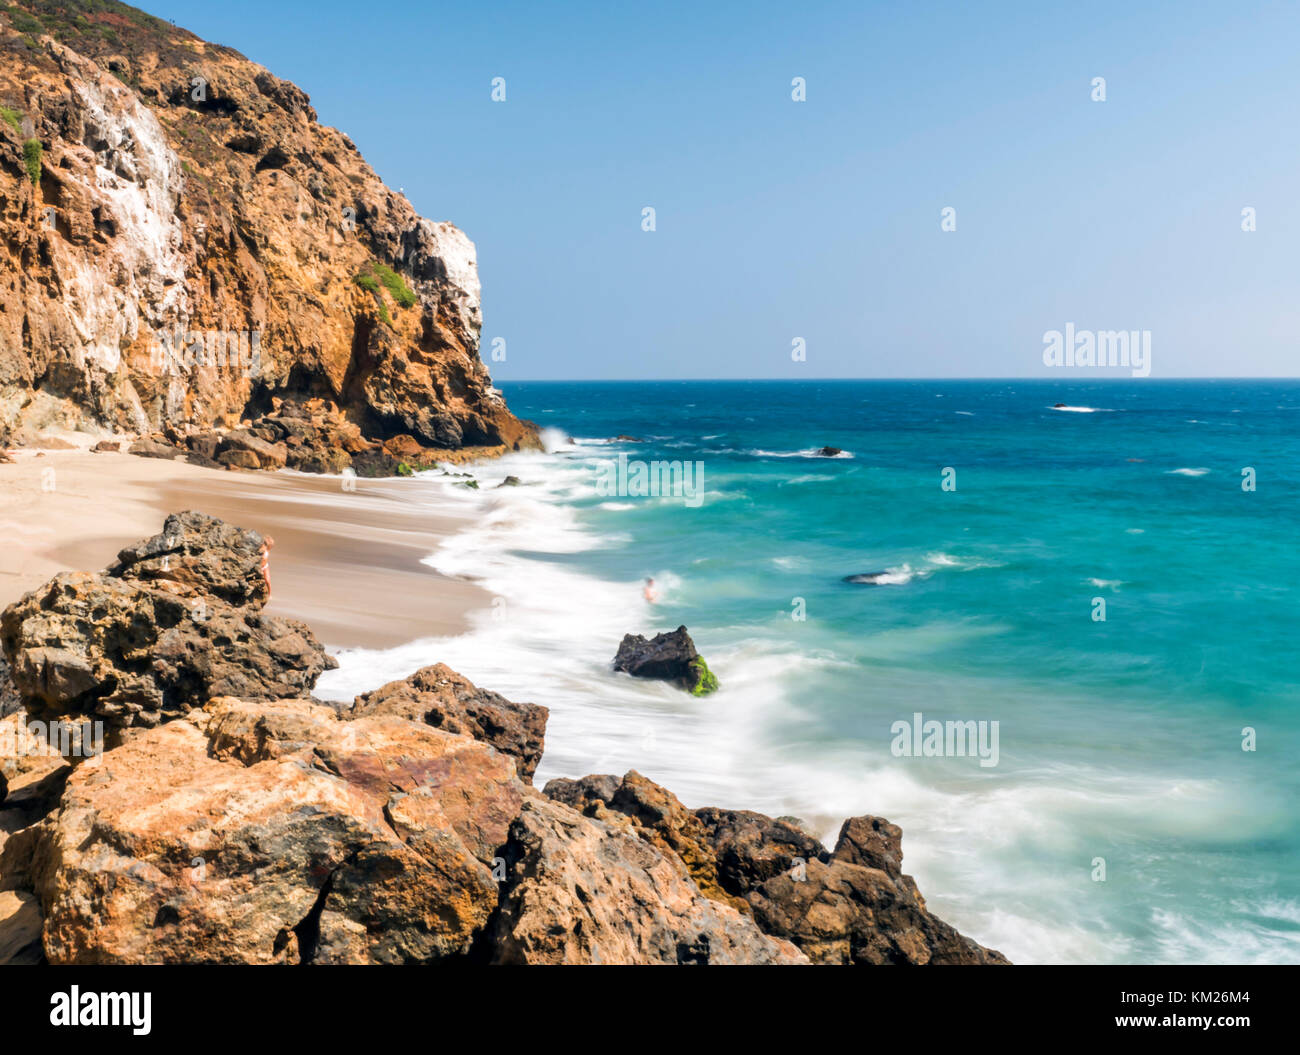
(669, 656)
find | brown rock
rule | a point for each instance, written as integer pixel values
(362, 847)
(658, 817)
(173, 623)
(440, 697)
(581, 891)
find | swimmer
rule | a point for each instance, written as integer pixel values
(650, 593)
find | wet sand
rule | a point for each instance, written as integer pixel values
(345, 562)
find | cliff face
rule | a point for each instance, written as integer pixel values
(183, 245)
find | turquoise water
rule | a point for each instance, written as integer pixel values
(1119, 740)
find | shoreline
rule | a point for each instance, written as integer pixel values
(348, 563)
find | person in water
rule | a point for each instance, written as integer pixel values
(650, 593)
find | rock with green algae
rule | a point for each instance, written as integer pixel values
(667, 657)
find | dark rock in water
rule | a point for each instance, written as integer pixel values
(829, 452)
(1058, 406)
(509, 481)
(870, 578)
(666, 657)
(629, 439)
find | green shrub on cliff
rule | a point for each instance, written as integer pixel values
(375, 277)
(396, 285)
(32, 159)
(13, 117)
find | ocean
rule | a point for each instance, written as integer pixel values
(1125, 820)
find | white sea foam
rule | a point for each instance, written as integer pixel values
(1083, 410)
(1187, 472)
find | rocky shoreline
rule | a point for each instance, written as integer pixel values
(233, 818)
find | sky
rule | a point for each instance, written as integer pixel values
(821, 220)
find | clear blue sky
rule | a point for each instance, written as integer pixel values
(821, 219)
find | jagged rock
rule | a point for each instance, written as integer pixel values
(173, 623)
(751, 848)
(658, 817)
(850, 906)
(582, 891)
(839, 908)
(666, 657)
(509, 481)
(199, 551)
(440, 697)
(829, 452)
(107, 447)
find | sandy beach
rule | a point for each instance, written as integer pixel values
(346, 562)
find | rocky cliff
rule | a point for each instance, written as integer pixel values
(184, 246)
(235, 819)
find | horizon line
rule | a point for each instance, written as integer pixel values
(808, 380)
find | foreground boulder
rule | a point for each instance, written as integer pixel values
(849, 906)
(279, 835)
(440, 697)
(666, 657)
(176, 621)
(586, 892)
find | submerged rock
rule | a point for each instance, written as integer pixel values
(870, 578)
(666, 657)
(829, 452)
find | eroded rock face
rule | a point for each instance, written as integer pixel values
(281, 834)
(196, 245)
(657, 816)
(852, 905)
(440, 697)
(586, 892)
(176, 621)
